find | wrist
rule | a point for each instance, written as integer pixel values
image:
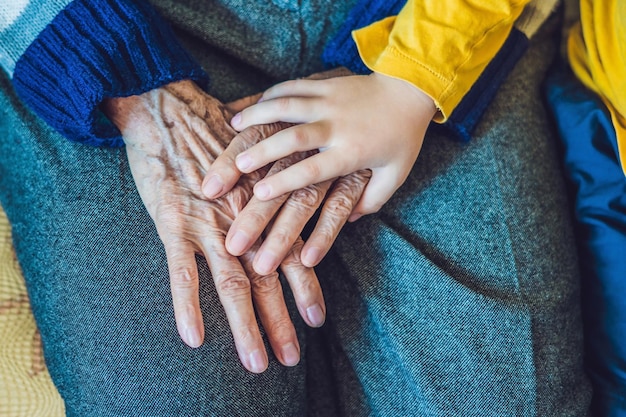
(122, 111)
(413, 95)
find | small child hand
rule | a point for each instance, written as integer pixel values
(371, 122)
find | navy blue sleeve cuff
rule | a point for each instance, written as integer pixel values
(341, 49)
(466, 115)
(93, 50)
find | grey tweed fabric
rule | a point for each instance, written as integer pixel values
(460, 298)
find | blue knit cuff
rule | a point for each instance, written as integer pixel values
(93, 50)
(341, 49)
(466, 115)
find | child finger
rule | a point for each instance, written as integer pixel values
(302, 88)
(223, 173)
(312, 170)
(299, 138)
(257, 215)
(282, 109)
(250, 224)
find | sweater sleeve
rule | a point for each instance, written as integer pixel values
(474, 94)
(97, 49)
(20, 23)
(441, 47)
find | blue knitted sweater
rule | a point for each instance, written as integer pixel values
(115, 48)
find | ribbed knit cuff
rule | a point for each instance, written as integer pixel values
(93, 50)
(466, 115)
(341, 49)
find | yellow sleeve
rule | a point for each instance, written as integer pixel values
(440, 46)
(597, 54)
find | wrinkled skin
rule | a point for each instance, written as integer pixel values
(339, 195)
(173, 134)
(374, 122)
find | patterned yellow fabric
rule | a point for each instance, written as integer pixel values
(26, 389)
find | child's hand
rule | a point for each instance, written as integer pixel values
(359, 122)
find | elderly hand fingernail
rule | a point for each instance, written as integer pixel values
(262, 191)
(290, 354)
(212, 186)
(311, 257)
(315, 315)
(192, 336)
(243, 161)
(266, 263)
(354, 217)
(239, 243)
(257, 361)
(236, 120)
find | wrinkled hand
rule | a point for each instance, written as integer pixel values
(359, 122)
(173, 134)
(284, 217)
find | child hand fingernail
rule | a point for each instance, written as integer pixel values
(262, 191)
(243, 161)
(236, 120)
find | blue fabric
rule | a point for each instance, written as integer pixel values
(467, 114)
(341, 49)
(93, 50)
(599, 189)
(460, 298)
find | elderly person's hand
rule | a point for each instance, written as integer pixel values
(284, 217)
(173, 134)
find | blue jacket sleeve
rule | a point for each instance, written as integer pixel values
(97, 49)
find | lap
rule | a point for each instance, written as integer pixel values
(459, 298)
(98, 283)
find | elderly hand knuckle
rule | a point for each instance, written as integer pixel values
(246, 335)
(231, 284)
(305, 199)
(293, 256)
(184, 278)
(265, 284)
(339, 205)
(280, 326)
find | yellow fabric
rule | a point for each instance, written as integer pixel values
(440, 46)
(597, 54)
(26, 389)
